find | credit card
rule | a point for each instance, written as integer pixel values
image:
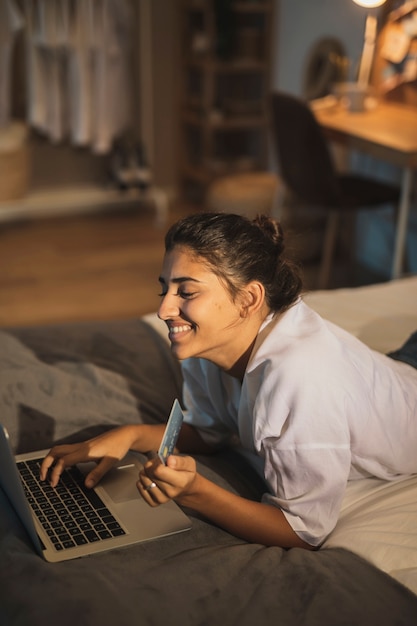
(172, 430)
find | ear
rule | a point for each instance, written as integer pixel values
(252, 298)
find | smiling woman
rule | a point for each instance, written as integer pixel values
(307, 403)
(221, 277)
(203, 319)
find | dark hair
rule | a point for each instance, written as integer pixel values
(238, 251)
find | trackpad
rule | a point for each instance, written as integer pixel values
(120, 484)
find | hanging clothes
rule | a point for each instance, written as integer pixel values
(78, 70)
(111, 37)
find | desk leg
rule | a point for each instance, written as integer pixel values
(402, 220)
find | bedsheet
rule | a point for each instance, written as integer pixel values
(378, 519)
(66, 382)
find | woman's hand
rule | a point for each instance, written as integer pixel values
(159, 483)
(106, 450)
(109, 448)
(253, 521)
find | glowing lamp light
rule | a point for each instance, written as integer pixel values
(370, 4)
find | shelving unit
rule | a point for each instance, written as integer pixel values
(226, 50)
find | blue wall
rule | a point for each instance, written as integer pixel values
(299, 25)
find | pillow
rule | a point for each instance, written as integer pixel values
(378, 522)
(383, 316)
(75, 380)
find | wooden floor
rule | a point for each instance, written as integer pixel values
(100, 266)
(86, 267)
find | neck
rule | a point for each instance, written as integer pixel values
(238, 369)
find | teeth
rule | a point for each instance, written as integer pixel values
(178, 329)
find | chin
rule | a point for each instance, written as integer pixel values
(179, 352)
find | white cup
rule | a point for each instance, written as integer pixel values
(352, 96)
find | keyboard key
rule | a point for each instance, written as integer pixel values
(71, 514)
(92, 536)
(80, 540)
(104, 534)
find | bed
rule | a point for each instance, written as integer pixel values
(69, 382)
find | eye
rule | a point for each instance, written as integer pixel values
(181, 293)
(186, 295)
(164, 288)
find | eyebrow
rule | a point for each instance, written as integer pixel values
(180, 279)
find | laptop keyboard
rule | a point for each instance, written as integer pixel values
(71, 514)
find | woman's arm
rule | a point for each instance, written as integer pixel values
(253, 521)
(109, 448)
(106, 449)
(190, 441)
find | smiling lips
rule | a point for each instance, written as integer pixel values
(176, 330)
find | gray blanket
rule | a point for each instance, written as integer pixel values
(67, 382)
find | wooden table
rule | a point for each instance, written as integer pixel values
(388, 132)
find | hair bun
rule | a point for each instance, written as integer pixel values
(271, 229)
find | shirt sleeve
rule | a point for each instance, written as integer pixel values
(308, 485)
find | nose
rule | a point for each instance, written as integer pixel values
(169, 307)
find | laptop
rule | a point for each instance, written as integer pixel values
(70, 521)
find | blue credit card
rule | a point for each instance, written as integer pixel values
(172, 430)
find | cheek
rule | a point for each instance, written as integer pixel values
(226, 312)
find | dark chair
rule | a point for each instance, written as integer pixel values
(308, 172)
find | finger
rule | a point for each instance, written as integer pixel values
(146, 490)
(98, 472)
(65, 460)
(151, 491)
(170, 482)
(45, 465)
(147, 483)
(55, 453)
(56, 472)
(181, 463)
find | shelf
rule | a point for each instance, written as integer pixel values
(204, 174)
(226, 67)
(74, 200)
(224, 116)
(227, 123)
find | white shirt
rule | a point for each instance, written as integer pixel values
(318, 407)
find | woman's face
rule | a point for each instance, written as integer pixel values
(202, 319)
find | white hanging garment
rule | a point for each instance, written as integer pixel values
(111, 37)
(51, 39)
(35, 70)
(79, 73)
(79, 78)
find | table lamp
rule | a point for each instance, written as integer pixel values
(369, 41)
